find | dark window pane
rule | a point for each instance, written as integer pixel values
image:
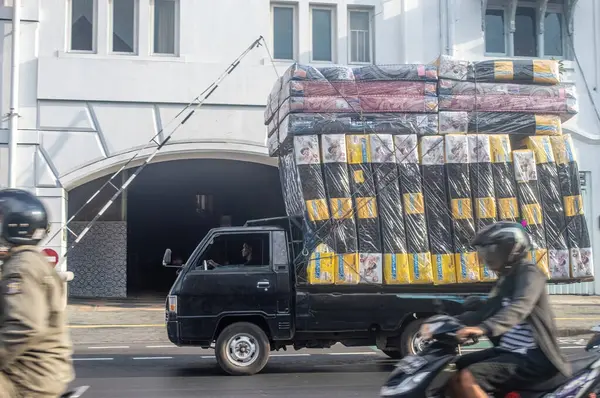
(82, 25)
(123, 26)
(283, 33)
(553, 35)
(525, 33)
(164, 27)
(321, 35)
(360, 37)
(495, 41)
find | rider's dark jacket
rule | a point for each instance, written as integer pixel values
(525, 285)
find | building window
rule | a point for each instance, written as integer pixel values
(284, 32)
(360, 36)
(83, 25)
(124, 26)
(525, 40)
(495, 38)
(165, 26)
(322, 34)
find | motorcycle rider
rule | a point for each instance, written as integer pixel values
(517, 318)
(35, 347)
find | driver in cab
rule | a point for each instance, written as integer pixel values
(246, 255)
(516, 317)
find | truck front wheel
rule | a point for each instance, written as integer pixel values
(242, 349)
(408, 343)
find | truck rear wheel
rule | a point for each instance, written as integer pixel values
(242, 349)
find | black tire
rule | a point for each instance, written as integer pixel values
(251, 335)
(407, 338)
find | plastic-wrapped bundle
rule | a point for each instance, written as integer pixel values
(564, 107)
(411, 188)
(482, 185)
(413, 72)
(504, 178)
(344, 123)
(439, 224)
(554, 216)
(343, 226)
(310, 173)
(541, 92)
(578, 238)
(461, 205)
(319, 268)
(354, 88)
(360, 103)
(290, 182)
(528, 193)
(513, 123)
(362, 186)
(389, 200)
(540, 71)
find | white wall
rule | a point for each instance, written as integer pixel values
(83, 114)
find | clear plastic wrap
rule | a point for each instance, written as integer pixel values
(345, 81)
(439, 224)
(504, 178)
(290, 183)
(347, 123)
(389, 199)
(540, 71)
(411, 188)
(509, 103)
(309, 165)
(528, 192)
(552, 206)
(362, 186)
(578, 238)
(485, 207)
(461, 207)
(513, 123)
(343, 226)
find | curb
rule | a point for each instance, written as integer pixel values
(570, 332)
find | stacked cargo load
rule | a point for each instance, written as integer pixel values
(394, 171)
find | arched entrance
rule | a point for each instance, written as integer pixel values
(171, 204)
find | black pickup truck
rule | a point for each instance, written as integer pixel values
(258, 303)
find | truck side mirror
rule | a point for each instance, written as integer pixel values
(167, 258)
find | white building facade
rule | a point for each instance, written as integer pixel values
(99, 78)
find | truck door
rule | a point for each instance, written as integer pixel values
(234, 276)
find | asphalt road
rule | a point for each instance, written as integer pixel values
(165, 371)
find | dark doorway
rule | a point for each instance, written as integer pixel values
(174, 204)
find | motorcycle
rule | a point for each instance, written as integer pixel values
(428, 373)
(76, 393)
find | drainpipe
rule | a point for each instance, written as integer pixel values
(443, 4)
(450, 24)
(14, 95)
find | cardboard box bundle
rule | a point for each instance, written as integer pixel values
(395, 170)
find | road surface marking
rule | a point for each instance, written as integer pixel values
(208, 357)
(150, 358)
(290, 355)
(351, 353)
(152, 325)
(115, 347)
(93, 359)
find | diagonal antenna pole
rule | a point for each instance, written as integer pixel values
(194, 105)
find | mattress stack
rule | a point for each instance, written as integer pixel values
(578, 238)
(394, 175)
(520, 97)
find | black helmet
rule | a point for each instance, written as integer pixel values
(24, 219)
(503, 243)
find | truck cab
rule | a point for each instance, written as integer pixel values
(236, 276)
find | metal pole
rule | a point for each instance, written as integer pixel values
(14, 95)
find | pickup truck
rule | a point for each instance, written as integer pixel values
(262, 304)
